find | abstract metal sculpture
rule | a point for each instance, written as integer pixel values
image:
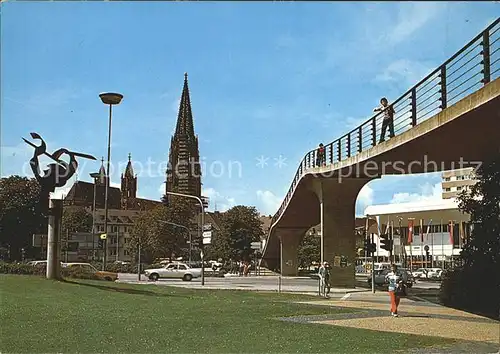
(58, 173)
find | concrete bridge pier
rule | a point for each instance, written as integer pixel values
(337, 214)
(290, 239)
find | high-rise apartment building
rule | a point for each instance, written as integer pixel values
(455, 181)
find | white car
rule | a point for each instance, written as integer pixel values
(173, 271)
(434, 273)
(420, 273)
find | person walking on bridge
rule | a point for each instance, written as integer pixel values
(388, 118)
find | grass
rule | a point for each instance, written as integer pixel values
(39, 315)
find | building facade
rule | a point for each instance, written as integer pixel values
(123, 208)
(456, 181)
(438, 228)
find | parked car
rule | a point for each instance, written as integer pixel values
(173, 270)
(434, 273)
(89, 268)
(420, 273)
(381, 274)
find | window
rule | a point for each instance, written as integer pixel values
(171, 267)
(459, 188)
(182, 267)
(114, 228)
(126, 253)
(447, 189)
(447, 179)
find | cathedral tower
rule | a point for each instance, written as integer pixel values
(128, 186)
(184, 172)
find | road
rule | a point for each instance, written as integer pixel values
(263, 283)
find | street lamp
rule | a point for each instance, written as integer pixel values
(95, 176)
(109, 98)
(200, 230)
(189, 232)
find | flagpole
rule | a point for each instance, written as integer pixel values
(422, 241)
(442, 245)
(432, 246)
(410, 239)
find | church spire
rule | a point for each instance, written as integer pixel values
(102, 174)
(185, 124)
(129, 170)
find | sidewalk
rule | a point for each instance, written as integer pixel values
(416, 317)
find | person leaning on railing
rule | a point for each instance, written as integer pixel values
(388, 118)
(320, 156)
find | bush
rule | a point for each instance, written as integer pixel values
(471, 290)
(21, 269)
(41, 270)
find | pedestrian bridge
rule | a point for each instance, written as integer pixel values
(450, 119)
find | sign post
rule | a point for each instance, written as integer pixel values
(257, 246)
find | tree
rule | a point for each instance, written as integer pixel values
(158, 238)
(240, 226)
(472, 285)
(482, 203)
(309, 250)
(21, 213)
(76, 220)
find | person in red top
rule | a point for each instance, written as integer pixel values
(320, 156)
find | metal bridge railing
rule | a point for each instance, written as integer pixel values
(469, 69)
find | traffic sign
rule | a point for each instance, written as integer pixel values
(207, 227)
(426, 248)
(207, 234)
(256, 245)
(207, 240)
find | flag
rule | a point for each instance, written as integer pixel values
(422, 230)
(461, 233)
(428, 229)
(450, 227)
(410, 231)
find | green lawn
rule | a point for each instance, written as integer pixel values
(91, 316)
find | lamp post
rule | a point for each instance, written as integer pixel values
(199, 231)
(184, 227)
(109, 98)
(95, 176)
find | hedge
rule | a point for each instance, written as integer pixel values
(41, 270)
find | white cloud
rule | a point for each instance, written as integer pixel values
(365, 198)
(269, 202)
(411, 17)
(405, 72)
(222, 202)
(428, 192)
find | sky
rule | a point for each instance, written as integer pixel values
(268, 80)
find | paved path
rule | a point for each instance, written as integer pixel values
(416, 317)
(303, 285)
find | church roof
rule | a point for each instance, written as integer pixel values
(82, 193)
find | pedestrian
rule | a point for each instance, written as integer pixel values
(323, 273)
(320, 155)
(396, 288)
(388, 118)
(327, 279)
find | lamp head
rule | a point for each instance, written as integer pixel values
(111, 97)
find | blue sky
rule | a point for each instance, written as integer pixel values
(266, 79)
